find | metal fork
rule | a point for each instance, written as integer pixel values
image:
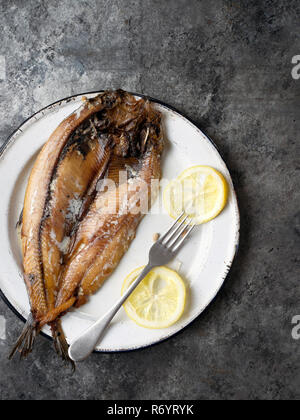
(161, 252)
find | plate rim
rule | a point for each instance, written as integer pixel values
(67, 99)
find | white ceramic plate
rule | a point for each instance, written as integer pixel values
(205, 260)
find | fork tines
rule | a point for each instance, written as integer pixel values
(178, 232)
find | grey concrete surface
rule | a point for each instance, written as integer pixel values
(227, 65)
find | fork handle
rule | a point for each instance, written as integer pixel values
(84, 345)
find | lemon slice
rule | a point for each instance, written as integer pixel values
(158, 301)
(201, 191)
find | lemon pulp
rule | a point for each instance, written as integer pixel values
(158, 301)
(201, 191)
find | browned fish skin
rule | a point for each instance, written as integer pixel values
(105, 233)
(73, 177)
(71, 244)
(36, 198)
(35, 208)
(84, 161)
(112, 248)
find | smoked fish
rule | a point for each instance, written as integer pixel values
(74, 230)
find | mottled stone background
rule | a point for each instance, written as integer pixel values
(227, 65)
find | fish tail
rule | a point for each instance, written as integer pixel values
(60, 343)
(25, 342)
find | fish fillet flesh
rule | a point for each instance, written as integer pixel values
(92, 183)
